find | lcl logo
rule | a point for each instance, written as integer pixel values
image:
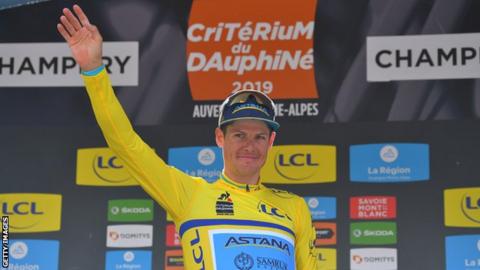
(20, 208)
(110, 169)
(272, 211)
(111, 162)
(471, 207)
(296, 166)
(298, 160)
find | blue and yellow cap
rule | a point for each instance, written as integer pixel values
(248, 104)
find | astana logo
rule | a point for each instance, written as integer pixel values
(243, 261)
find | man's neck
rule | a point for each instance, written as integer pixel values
(243, 179)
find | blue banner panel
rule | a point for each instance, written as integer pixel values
(201, 161)
(389, 163)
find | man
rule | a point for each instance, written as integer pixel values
(234, 223)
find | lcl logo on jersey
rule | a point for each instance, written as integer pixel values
(462, 207)
(31, 212)
(101, 167)
(272, 211)
(300, 164)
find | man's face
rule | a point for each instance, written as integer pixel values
(245, 146)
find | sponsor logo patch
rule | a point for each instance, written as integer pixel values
(51, 64)
(373, 233)
(200, 161)
(270, 210)
(462, 252)
(130, 210)
(300, 164)
(128, 236)
(172, 236)
(224, 205)
(326, 233)
(373, 258)
(322, 208)
(389, 163)
(423, 57)
(251, 249)
(129, 259)
(254, 47)
(373, 207)
(34, 254)
(32, 212)
(174, 259)
(462, 207)
(101, 167)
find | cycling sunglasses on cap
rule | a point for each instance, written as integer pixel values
(248, 104)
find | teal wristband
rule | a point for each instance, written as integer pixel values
(93, 72)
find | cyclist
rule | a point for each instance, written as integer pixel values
(233, 223)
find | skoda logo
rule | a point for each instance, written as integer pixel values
(19, 250)
(243, 261)
(206, 156)
(115, 210)
(128, 256)
(357, 233)
(389, 153)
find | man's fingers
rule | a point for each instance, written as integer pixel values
(81, 15)
(63, 32)
(66, 24)
(72, 19)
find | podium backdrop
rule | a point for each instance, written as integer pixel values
(378, 103)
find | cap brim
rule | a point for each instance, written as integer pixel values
(272, 124)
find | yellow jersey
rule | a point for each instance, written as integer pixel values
(222, 225)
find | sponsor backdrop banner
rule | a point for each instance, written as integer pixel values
(379, 104)
(173, 62)
(420, 225)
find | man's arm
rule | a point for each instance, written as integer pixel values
(305, 253)
(168, 186)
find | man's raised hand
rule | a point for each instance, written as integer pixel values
(82, 37)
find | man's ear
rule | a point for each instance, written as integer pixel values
(272, 138)
(219, 137)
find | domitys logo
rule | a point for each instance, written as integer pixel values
(256, 47)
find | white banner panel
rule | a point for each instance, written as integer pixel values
(127, 236)
(423, 57)
(51, 64)
(373, 259)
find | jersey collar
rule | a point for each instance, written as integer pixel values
(246, 187)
